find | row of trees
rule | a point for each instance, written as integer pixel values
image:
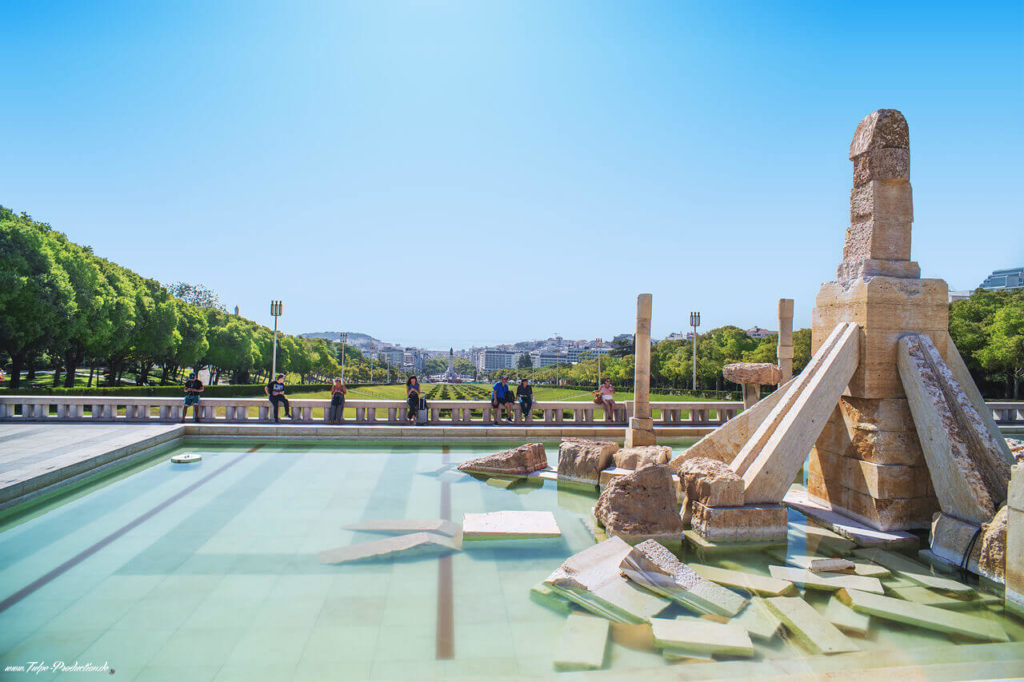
(988, 330)
(61, 306)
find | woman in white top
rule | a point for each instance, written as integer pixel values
(607, 394)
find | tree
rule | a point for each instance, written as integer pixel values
(524, 361)
(198, 295)
(622, 346)
(1004, 353)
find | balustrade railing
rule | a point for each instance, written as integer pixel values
(313, 411)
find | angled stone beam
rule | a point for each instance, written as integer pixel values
(799, 419)
(968, 469)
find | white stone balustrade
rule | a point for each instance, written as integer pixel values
(257, 410)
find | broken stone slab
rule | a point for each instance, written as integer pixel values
(758, 620)
(928, 617)
(504, 483)
(706, 549)
(510, 525)
(681, 656)
(518, 461)
(821, 540)
(637, 636)
(651, 565)
(845, 618)
(831, 566)
(405, 545)
(545, 596)
(927, 597)
(636, 457)
(950, 538)
(826, 581)
(583, 643)
(810, 628)
(701, 636)
(866, 569)
(710, 482)
(993, 547)
(845, 526)
(759, 585)
(592, 579)
(582, 460)
(911, 570)
(758, 373)
(641, 504)
(967, 465)
(760, 523)
(402, 526)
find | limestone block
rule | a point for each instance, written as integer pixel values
(877, 267)
(582, 460)
(634, 458)
(1014, 569)
(502, 525)
(711, 482)
(881, 514)
(928, 617)
(641, 504)
(545, 596)
(517, 461)
(636, 438)
(903, 317)
(583, 643)
(992, 564)
(749, 523)
(882, 290)
(651, 565)
(881, 164)
(950, 537)
(413, 543)
(828, 582)
(831, 566)
(877, 239)
(760, 373)
(966, 381)
(402, 526)
(758, 620)
(967, 469)
(877, 480)
(892, 414)
(725, 442)
(886, 203)
(809, 627)
(913, 571)
(592, 579)
(752, 583)
(845, 618)
(772, 471)
(702, 636)
(881, 129)
(1015, 491)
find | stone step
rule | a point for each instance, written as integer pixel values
(507, 525)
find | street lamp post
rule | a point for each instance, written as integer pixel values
(343, 337)
(275, 311)
(600, 342)
(694, 322)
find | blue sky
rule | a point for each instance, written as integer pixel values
(457, 173)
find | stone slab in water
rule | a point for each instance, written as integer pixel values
(506, 525)
(812, 629)
(864, 568)
(413, 543)
(760, 585)
(911, 570)
(583, 643)
(758, 620)
(439, 526)
(545, 596)
(928, 617)
(845, 618)
(830, 582)
(922, 595)
(702, 636)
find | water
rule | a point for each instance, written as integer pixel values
(209, 571)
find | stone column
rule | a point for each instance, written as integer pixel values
(641, 426)
(1015, 542)
(868, 462)
(785, 349)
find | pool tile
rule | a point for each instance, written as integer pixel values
(342, 611)
(288, 613)
(269, 672)
(123, 648)
(269, 645)
(341, 644)
(178, 673)
(169, 613)
(406, 643)
(315, 671)
(197, 646)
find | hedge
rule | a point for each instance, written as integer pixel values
(217, 391)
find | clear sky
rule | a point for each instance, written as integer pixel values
(457, 173)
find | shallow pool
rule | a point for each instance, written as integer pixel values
(209, 571)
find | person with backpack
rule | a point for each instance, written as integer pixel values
(275, 392)
(336, 413)
(193, 387)
(501, 398)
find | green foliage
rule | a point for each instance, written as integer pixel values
(988, 330)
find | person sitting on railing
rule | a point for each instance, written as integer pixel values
(193, 387)
(275, 392)
(412, 392)
(502, 398)
(525, 395)
(606, 394)
(337, 411)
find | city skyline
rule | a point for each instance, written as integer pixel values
(458, 174)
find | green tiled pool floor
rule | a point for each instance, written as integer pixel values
(223, 583)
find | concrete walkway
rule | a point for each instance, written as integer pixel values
(35, 458)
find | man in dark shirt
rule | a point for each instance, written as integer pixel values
(525, 395)
(193, 387)
(275, 391)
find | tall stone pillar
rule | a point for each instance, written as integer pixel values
(1014, 597)
(868, 462)
(641, 426)
(785, 349)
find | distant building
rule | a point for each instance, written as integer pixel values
(1004, 279)
(396, 356)
(578, 354)
(546, 358)
(490, 359)
(959, 295)
(756, 332)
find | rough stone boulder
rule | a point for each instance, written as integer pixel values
(992, 563)
(518, 461)
(758, 373)
(636, 457)
(710, 482)
(1016, 448)
(582, 460)
(641, 505)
